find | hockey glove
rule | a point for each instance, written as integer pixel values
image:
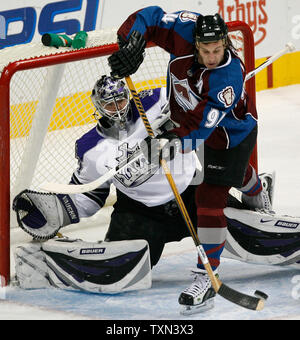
(127, 60)
(41, 215)
(164, 146)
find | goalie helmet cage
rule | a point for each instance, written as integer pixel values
(45, 104)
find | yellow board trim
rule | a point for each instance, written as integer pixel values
(63, 112)
(284, 73)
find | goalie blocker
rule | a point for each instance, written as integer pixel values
(105, 267)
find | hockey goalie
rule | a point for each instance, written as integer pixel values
(145, 215)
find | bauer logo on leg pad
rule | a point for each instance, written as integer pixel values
(96, 251)
(286, 224)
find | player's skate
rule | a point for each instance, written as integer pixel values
(264, 200)
(199, 297)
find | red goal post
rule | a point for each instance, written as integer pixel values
(33, 83)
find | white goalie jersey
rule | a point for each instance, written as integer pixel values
(140, 180)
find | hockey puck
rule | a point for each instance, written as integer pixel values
(261, 295)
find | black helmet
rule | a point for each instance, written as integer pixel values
(210, 28)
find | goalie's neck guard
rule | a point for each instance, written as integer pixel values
(119, 130)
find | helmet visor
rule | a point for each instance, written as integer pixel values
(115, 108)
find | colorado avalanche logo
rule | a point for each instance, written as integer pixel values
(183, 94)
(227, 96)
(187, 16)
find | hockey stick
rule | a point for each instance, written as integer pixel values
(81, 188)
(289, 47)
(250, 302)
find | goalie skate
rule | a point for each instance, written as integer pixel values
(199, 297)
(264, 200)
(268, 184)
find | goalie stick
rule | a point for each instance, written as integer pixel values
(247, 301)
(59, 188)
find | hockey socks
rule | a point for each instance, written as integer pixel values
(252, 185)
(211, 201)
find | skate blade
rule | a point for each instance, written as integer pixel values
(203, 307)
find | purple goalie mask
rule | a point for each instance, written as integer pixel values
(111, 99)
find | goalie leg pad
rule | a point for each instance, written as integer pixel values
(262, 237)
(31, 267)
(106, 267)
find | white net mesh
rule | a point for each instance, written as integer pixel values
(37, 157)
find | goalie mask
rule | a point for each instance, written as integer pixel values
(111, 100)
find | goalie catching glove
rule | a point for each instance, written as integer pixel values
(127, 60)
(41, 215)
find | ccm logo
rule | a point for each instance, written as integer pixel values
(28, 19)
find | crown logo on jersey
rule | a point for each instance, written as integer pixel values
(137, 172)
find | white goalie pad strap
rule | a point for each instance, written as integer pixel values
(31, 267)
(106, 267)
(263, 238)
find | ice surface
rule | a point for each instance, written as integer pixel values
(278, 144)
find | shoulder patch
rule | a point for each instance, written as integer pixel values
(148, 99)
(227, 96)
(188, 16)
(145, 93)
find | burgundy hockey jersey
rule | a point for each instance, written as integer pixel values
(210, 105)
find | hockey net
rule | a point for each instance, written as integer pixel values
(45, 106)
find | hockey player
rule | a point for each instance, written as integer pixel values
(145, 208)
(208, 102)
